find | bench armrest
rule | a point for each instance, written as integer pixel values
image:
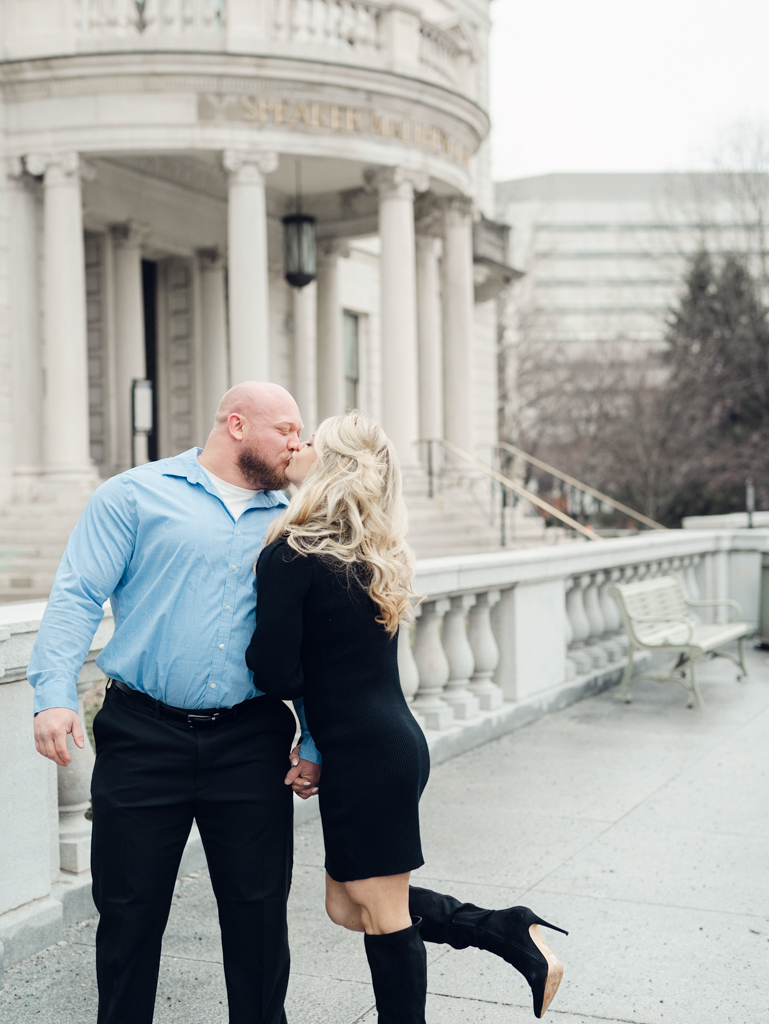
(715, 603)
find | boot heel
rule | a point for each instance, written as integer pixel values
(544, 924)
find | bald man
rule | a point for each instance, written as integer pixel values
(183, 735)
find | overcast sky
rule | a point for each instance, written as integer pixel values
(623, 85)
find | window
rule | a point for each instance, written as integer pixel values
(351, 332)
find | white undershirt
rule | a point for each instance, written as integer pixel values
(235, 498)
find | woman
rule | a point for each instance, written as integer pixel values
(334, 582)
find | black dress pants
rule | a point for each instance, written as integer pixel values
(153, 776)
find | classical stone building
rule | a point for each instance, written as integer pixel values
(151, 149)
(605, 253)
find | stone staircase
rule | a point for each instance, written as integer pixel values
(457, 521)
(33, 535)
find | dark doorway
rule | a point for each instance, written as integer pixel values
(150, 291)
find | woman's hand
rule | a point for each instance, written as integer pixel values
(303, 776)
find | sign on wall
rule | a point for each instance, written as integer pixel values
(331, 117)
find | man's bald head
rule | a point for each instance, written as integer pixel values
(257, 429)
(256, 398)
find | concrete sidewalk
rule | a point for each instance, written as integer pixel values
(644, 830)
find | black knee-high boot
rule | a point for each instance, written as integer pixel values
(399, 973)
(507, 933)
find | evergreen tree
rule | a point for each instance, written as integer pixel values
(718, 388)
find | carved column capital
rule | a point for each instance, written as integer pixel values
(332, 249)
(130, 234)
(457, 208)
(396, 181)
(210, 260)
(14, 167)
(249, 166)
(59, 167)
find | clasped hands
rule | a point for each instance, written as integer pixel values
(303, 776)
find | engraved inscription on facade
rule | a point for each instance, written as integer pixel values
(331, 117)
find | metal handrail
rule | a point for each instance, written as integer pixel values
(513, 486)
(505, 446)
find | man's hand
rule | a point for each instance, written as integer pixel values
(303, 775)
(51, 730)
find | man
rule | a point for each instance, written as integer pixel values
(183, 734)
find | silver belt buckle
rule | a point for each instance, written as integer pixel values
(193, 720)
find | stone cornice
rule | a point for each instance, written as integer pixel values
(149, 72)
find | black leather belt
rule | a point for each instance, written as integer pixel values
(203, 717)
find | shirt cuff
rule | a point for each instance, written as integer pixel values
(55, 693)
(309, 751)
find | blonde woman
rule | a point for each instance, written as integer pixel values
(334, 582)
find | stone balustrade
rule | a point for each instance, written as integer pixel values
(128, 18)
(497, 640)
(363, 33)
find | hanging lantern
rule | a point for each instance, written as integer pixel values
(299, 249)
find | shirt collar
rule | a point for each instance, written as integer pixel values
(187, 465)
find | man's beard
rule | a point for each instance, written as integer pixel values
(259, 473)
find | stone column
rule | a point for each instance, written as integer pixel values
(329, 332)
(130, 355)
(458, 308)
(430, 339)
(213, 315)
(306, 355)
(26, 348)
(66, 444)
(398, 317)
(248, 271)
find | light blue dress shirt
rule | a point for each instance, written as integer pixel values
(178, 570)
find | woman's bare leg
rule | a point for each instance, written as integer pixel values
(341, 908)
(377, 906)
(383, 902)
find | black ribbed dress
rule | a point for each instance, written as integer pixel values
(317, 637)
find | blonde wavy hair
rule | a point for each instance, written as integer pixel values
(350, 508)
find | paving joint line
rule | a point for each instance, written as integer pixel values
(689, 764)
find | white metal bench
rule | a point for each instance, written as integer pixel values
(658, 617)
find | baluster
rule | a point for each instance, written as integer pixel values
(459, 653)
(343, 23)
(75, 790)
(580, 627)
(485, 651)
(432, 666)
(614, 643)
(331, 23)
(692, 586)
(568, 634)
(407, 667)
(594, 614)
(280, 18)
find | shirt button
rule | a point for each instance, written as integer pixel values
(237, 532)
(213, 686)
(221, 647)
(227, 607)
(234, 568)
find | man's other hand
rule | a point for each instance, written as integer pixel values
(303, 776)
(51, 730)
